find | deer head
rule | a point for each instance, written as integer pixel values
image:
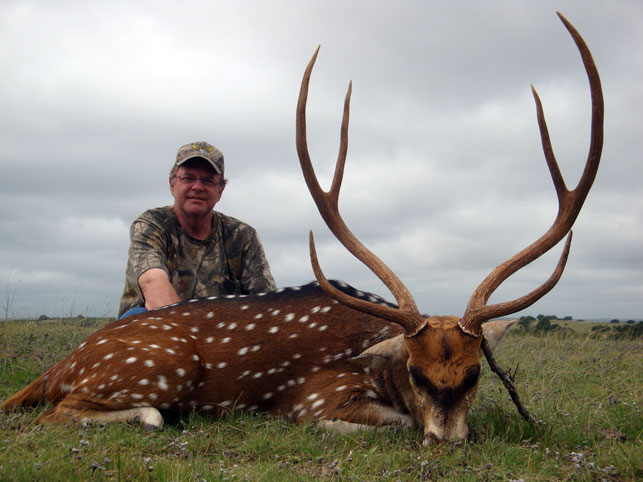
(440, 356)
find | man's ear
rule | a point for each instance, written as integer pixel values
(386, 355)
(493, 331)
(172, 180)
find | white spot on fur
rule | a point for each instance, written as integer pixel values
(243, 351)
(131, 359)
(250, 326)
(273, 330)
(222, 365)
(180, 372)
(226, 339)
(232, 326)
(289, 317)
(244, 374)
(162, 382)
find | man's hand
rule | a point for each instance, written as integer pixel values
(157, 289)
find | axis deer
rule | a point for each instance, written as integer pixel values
(331, 354)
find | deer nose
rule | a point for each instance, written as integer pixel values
(430, 439)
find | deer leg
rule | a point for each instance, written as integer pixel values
(375, 414)
(383, 416)
(340, 426)
(74, 409)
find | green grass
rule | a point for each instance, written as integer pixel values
(585, 393)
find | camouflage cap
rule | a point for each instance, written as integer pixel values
(203, 150)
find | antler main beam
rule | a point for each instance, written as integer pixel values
(407, 315)
(569, 205)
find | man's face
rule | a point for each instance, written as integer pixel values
(196, 188)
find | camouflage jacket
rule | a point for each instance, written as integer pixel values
(230, 260)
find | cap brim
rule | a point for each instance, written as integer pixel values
(212, 163)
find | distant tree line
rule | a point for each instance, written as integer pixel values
(540, 325)
(543, 324)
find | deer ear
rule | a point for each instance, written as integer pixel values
(386, 355)
(493, 331)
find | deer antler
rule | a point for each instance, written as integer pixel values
(407, 315)
(569, 205)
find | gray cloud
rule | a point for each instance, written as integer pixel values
(445, 176)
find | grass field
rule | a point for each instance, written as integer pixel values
(585, 394)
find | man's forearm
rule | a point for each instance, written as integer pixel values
(156, 289)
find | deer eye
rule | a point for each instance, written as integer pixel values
(471, 377)
(418, 377)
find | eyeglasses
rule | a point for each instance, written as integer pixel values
(190, 180)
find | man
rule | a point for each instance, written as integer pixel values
(188, 250)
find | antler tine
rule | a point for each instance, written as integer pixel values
(569, 206)
(407, 315)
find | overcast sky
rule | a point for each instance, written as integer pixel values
(445, 176)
